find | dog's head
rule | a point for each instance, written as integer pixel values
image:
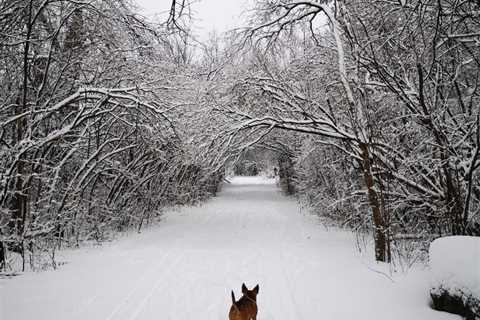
(252, 294)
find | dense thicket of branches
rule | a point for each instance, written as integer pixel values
(89, 134)
(386, 96)
(371, 108)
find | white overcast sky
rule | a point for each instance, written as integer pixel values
(209, 15)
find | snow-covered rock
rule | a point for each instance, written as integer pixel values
(455, 265)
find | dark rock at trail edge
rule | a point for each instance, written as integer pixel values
(457, 302)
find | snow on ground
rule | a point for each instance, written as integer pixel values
(185, 267)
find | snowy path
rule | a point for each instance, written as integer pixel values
(184, 269)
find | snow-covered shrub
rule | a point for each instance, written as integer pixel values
(455, 267)
(326, 181)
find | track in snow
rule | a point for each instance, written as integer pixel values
(185, 267)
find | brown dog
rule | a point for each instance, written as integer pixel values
(246, 307)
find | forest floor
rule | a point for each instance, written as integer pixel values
(184, 268)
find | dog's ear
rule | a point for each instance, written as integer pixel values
(244, 288)
(256, 289)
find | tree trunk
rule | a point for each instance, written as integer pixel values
(382, 246)
(3, 256)
(19, 204)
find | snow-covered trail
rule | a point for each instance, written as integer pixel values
(185, 267)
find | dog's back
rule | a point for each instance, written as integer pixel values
(246, 307)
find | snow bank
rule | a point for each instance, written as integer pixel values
(455, 265)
